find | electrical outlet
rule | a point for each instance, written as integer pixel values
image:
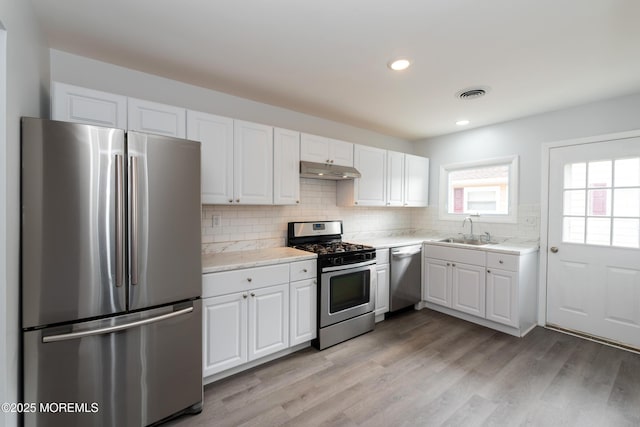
(217, 220)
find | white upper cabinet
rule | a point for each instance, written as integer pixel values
(253, 163)
(159, 119)
(216, 136)
(416, 184)
(320, 149)
(395, 178)
(286, 167)
(370, 188)
(80, 105)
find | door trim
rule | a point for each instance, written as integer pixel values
(544, 207)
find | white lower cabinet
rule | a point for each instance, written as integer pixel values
(303, 322)
(502, 296)
(252, 313)
(268, 320)
(225, 332)
(244, 326)
(382, 283)
(468, 288)
(496, 289)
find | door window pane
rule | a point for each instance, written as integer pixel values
(598, 231)
(626, 233)
(627, 172)
(600, 174)
(574, 202)
(575, 175)
(599, 202)
(626, 202)
(573, 230)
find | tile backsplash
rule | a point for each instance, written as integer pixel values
(255, 227)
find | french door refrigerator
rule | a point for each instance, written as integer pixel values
(111, 275)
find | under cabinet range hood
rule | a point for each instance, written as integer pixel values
(327, 171)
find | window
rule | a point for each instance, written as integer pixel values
(485, 188)
(601, 203)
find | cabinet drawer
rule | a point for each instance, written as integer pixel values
(502, 261)
(226, 282)
(466, 256)
(382, 256)
(302, 270)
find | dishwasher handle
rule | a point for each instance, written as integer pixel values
(401, 252)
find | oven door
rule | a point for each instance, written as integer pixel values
(346, 292)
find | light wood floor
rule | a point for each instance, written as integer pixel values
(423, 368)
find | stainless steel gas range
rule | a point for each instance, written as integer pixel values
(346, 295)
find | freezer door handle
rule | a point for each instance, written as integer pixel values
(111, 329)
(119, 220)
(134, 220)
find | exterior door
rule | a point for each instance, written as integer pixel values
(593, 270)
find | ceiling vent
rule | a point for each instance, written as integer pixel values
(471, 93)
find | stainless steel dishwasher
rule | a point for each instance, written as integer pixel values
(405, 284)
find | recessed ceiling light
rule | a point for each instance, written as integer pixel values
(462, 122)
(399, 64)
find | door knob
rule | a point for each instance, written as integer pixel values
(553, 249)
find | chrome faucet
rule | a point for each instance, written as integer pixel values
(470, 222)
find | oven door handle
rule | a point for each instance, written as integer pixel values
(348, 266)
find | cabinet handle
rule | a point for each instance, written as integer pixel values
(355, 203)
(297, 201)
(501, 262)
(249, 279)
(448, 265)
(253, 294)
(230, 200)
(331, 161)
(453, 265)
(238, 200)
(244, 296)
(489, 271)
(304, 270)
(328, 161)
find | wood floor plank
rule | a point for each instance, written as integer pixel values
(427, 368)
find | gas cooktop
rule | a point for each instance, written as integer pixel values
(332, 247)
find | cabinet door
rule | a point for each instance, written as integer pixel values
(216, 136)
(314, 148)
(268, 320)
(416, 182)
(303, 324)
(224, 332)
(395, 178)
(468, 286)
(253, 163)
(340, 152)
(502, 297)
(437, 280)
(286, 167)
(158, 119)
(80, 105)
(382, 289)
(370, 189)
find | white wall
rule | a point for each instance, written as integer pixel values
(27, 93)
(81, 71)
(525, 137)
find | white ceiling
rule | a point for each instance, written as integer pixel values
(329, 57)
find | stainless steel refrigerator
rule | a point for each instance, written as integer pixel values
(111, 275)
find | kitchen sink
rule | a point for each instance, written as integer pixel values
(464, 241)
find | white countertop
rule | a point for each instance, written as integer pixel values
(224, 261)
(510, 246)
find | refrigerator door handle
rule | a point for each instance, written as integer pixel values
(111, 329)
(134, 220)
(119, 220)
